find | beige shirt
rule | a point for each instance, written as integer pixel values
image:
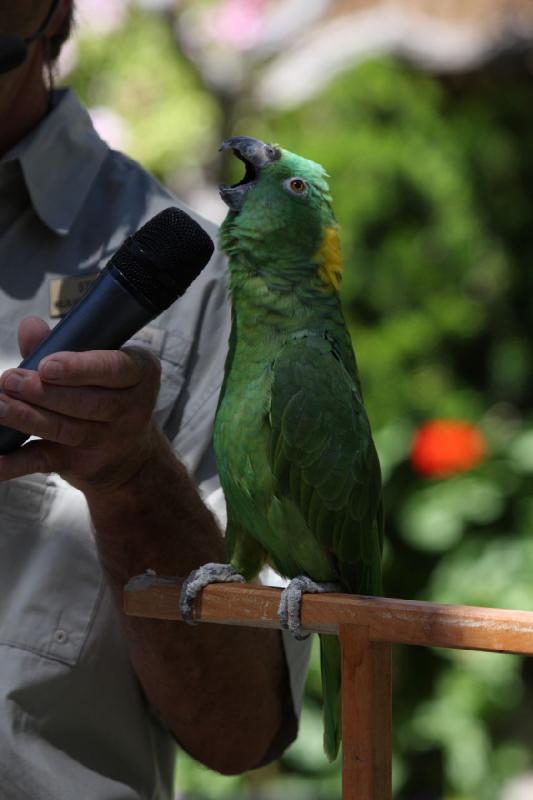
(74, 722)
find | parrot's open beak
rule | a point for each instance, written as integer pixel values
(255, 155)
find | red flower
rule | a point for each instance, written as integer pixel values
(445, 446)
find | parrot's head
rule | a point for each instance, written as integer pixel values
(280, 220)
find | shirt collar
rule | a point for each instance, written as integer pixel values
(60, 160)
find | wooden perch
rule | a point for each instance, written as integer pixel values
(386, 619)
(366, 626)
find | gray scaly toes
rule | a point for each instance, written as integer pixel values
(290, 606)
(198, 579)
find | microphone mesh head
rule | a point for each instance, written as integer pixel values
(163, 257)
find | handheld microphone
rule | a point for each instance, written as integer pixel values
(14, 49)
(145, 276)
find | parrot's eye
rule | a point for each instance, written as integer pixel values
(295, 186)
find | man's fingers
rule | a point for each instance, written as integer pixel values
(111, 369)
(89, 403)
(33, 457)
(48, 425)
(31, 332)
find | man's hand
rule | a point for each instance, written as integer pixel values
(93, 410)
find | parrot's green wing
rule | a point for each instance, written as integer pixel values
(324, 461)
(323, 458)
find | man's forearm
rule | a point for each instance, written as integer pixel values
(222, 691)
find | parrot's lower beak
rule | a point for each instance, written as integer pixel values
(255, 155)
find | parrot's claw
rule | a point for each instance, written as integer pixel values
(198, 579)
(290, 605)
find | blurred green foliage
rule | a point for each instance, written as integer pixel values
(138, 72)
(432, 188)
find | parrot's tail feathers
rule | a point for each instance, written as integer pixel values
(330, 663)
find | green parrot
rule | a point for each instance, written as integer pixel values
(293, 444)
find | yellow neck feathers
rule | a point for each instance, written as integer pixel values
(328, 257)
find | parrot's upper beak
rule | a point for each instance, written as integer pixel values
(255, 155)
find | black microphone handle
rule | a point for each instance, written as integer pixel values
(106, 317)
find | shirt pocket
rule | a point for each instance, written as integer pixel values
(50, 579)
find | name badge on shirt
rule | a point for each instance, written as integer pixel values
(65, 293)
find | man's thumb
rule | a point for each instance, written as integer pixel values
(32, 330)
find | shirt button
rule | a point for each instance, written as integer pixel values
(60, 636)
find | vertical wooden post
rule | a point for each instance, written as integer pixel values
(366, 716)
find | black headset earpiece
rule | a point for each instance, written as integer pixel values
(14, 49)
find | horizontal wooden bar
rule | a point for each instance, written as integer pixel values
(387, 619)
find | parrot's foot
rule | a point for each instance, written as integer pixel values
(193, 585)
(290, 606)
